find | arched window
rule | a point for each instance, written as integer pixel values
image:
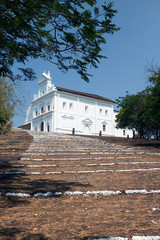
(42, 109)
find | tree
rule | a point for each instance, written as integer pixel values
(69, 34)
(7, 104)
(153, 103)
(132, 112)
(141, 111)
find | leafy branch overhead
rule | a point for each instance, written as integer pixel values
(68, 34)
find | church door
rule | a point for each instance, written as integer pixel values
(42, 126)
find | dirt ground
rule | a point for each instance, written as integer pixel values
(79, 217)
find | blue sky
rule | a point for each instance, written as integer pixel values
(128, 50)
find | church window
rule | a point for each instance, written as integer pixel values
(36, 113)
(106, 112)
(104, 128)
(71, 106)
(64, 105)
(100, 111)
(48, 107)
(86, 109)
(42, 109)
(48, 128)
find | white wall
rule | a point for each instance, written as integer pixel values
(121, 132)
(86, 115)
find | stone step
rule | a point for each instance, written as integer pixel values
(104, 164)
(72, 170)
(104, 193)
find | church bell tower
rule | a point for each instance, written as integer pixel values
(44, 84)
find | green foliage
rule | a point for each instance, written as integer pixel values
(7, 104)
(130, 115)
(62, 32)
(153, 104)
(141, 112)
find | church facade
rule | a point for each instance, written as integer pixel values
(56, 109)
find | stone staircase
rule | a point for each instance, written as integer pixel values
(57, 164)
(56, 186)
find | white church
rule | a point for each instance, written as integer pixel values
(56, 109)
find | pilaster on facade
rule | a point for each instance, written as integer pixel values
(112, 122)
(55, 108)
(77, 112)
(96, 117)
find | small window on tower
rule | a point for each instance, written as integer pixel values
(100, 111)
(42, 109)
(36, 113)
(48, 107)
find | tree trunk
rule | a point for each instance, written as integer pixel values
(157, 133)
(133, 134)
(149, 134)
(141, 134)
